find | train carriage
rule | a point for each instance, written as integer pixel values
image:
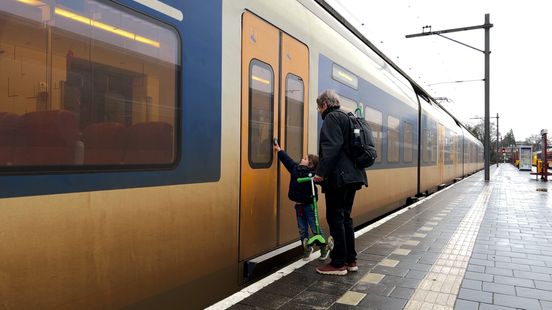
(136, 163)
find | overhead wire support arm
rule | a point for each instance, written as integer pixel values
(487, 52)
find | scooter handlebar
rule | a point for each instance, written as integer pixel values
(303, 180)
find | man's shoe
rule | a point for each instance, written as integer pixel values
(352, 266)
(324, 253)
(331, 270)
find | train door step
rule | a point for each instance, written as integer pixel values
(441, 186)
(457, 180)
(266, 263)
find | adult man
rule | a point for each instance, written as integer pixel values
(340, 180)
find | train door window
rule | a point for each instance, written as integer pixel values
(393, 142)
(375, 119)
(295, 90)
(91, 83)
(261, 118)
(347, 105)
(408, 137)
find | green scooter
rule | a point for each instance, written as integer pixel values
(317, 239)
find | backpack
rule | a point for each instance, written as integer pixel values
(362, 150)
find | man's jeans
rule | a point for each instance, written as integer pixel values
(339, 203)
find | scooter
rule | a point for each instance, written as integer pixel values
(317, 239)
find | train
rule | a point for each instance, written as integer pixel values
(137, 169)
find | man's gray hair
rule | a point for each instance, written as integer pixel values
(330, 97)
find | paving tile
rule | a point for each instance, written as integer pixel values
(514, 281)
(265, 300)
(475, 295)
(372, 278)
(401, 252)
(388, 262)
(380, 302)
(466, 305)
(328, 287)
(374, 289)
(315, 299)
(516, 302)
(351, 298)
(499, 288)
(534, 293)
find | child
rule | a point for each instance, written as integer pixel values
(301, 194)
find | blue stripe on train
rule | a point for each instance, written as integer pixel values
(379, 100)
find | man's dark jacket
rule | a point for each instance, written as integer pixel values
(298, 192)
(335, 166)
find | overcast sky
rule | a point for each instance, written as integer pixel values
(521, 54)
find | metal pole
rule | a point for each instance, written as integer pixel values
(487, 143)
(497, 137)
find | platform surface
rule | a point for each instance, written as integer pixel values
(474, 245)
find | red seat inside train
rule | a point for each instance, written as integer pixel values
(46, 138)
(8, 124)
(149, 143)
(103, 143)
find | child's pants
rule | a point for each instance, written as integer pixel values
(305, 218)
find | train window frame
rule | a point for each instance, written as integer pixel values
(289, 149)
(69, 25)
(344, 76)
(346, 104)
(377, 135)
(268, 162)
(408, 127)
(393, 147)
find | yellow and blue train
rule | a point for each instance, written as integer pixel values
(136, 166)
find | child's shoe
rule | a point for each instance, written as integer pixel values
(307, 253)
(307, 250)
(324, 253)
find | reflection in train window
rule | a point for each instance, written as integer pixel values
(408, 134)
(89, 84)
(393, 142)
(429, 142)
(347, 105)
(261, 118)
(375, 119)
(295, 91)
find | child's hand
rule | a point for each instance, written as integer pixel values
(276, 146)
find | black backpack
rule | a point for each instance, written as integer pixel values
(362, 150)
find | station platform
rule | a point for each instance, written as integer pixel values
(474, 245)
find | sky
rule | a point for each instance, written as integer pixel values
(520, 61)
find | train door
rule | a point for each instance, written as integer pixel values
(293, 125)
(274, 71)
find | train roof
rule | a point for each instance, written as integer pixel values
(361, 37)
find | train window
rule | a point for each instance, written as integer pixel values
(429, 142)
(347, 105)
(344, 76)
(393, 142)
(295, 90)
(89, 83)
(261, 118)
(448, 147)
(408, 137)
(375, 119)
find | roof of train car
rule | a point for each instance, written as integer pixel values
(359, 35)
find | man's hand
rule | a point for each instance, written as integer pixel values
(318, 179)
